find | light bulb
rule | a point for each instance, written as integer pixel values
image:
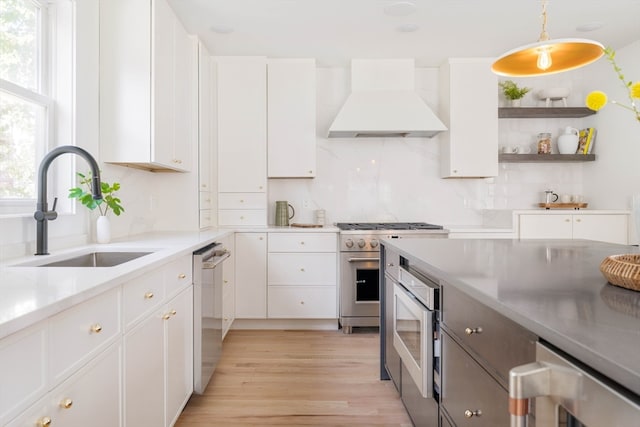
(544, 58)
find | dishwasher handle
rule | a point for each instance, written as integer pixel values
(217, 258)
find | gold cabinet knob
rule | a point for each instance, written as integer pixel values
(242, 218)
(225, 282)
(310, 171)
(166, 316)
(261, 238)
(301, 302)
(66, 403)
(302, 243)
(469, 413)
(181, 276)
(241, 200)
(44, 422)
(96, 329)
(567, 220)
(148, 295)
(226, 319)
(471, 331)
(302, 269)
(173, 312)
(578, 220)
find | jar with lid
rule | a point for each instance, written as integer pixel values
(544, 143)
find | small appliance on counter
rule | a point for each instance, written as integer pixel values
(282, 213)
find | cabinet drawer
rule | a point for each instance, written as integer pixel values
(302, 269)
(178, 274)
(206, 200)
(206, 218)
(392, 262)
(468, 387)
(302, 242)
(242, 217)
(141, 295)
(500, 342)
(299, 302)
(80, 332)
(242, 200)
(22, 369)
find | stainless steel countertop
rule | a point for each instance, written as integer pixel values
(552, 288)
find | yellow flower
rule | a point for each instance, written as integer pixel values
(596, 100)
(635, 90)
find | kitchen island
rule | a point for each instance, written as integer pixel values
(550, 288)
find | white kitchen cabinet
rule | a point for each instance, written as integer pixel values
(23, 369)
(291, 118)
(158, 360)
(228, 284)
(611, 228)
(206, 148)
(251, 275)
(469, 149)
(302, 275)
(148, 86)
(242, 209)
(90, 397)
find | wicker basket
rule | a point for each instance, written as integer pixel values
(622, 270)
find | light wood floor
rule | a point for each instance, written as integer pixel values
(297, 378)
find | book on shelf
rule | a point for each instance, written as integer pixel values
(586, 140)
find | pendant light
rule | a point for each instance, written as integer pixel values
(547, 56)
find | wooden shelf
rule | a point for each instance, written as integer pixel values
(539, 158)
(543, 112)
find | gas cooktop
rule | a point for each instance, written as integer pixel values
(387, 226)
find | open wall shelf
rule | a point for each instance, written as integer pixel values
(539, 158)
(543, 112)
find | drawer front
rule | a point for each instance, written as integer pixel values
(302, 269)
(206, 218)
(23, 369)
(242, 201)
(303, 242)
(302, 302)
(392, 262)
(177, 275)
(500, 342)
(242, 217)
(142, 295)
(78, 333)
(468, 387)
(206, 200)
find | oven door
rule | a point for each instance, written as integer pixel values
(567, 395)
(413, 335)
(359, 287)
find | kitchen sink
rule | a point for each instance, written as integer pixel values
(94, 259)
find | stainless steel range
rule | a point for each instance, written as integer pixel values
(360, 266)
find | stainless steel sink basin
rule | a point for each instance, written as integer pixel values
(97, 259)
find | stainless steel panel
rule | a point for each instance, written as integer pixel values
(499, 341)
(391, 356)
(422, 410)
(469, 394)
(349, 306)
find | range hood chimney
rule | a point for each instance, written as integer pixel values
(383, 103)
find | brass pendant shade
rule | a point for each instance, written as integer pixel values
(547, 56)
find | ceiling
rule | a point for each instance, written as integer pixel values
(335, 31)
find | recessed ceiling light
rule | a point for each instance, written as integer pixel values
(407, 28)
(401, 8)
(590, 26)
(221, 29)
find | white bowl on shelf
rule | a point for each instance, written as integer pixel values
(553, 94)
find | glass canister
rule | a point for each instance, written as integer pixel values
(544, 143)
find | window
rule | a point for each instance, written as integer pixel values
(24, 105)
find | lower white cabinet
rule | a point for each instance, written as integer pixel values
(302, 276)
(90, 397)
(251, 275)
(612, 228)
(228, 284)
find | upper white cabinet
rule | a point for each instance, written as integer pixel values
(148, 86)
(241, 124)
(291, 112)
(469, 149)
(611, 227)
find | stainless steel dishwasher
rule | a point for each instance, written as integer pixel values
(207, 312)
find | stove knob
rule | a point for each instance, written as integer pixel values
(348, 243)
(374, 243)
(362, 243)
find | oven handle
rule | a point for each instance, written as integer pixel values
(214, 261)
(364, 260)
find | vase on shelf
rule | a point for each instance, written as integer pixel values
(516, 102)
(103, 229)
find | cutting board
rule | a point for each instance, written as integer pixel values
(298, 225)
(562, 205)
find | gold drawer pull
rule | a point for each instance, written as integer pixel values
(181, 276)
(173, 312)
(302, 243)
(302, 302)
(471, 331)
(469, 413)
(302, 269)
(226, 282)
(166, 316)
(44, 422)
(96, 329)
(148, 295)
(66, 403)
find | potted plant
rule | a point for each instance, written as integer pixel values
(108, 202)
(512, 92)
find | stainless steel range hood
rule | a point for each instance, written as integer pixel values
(383, 103)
